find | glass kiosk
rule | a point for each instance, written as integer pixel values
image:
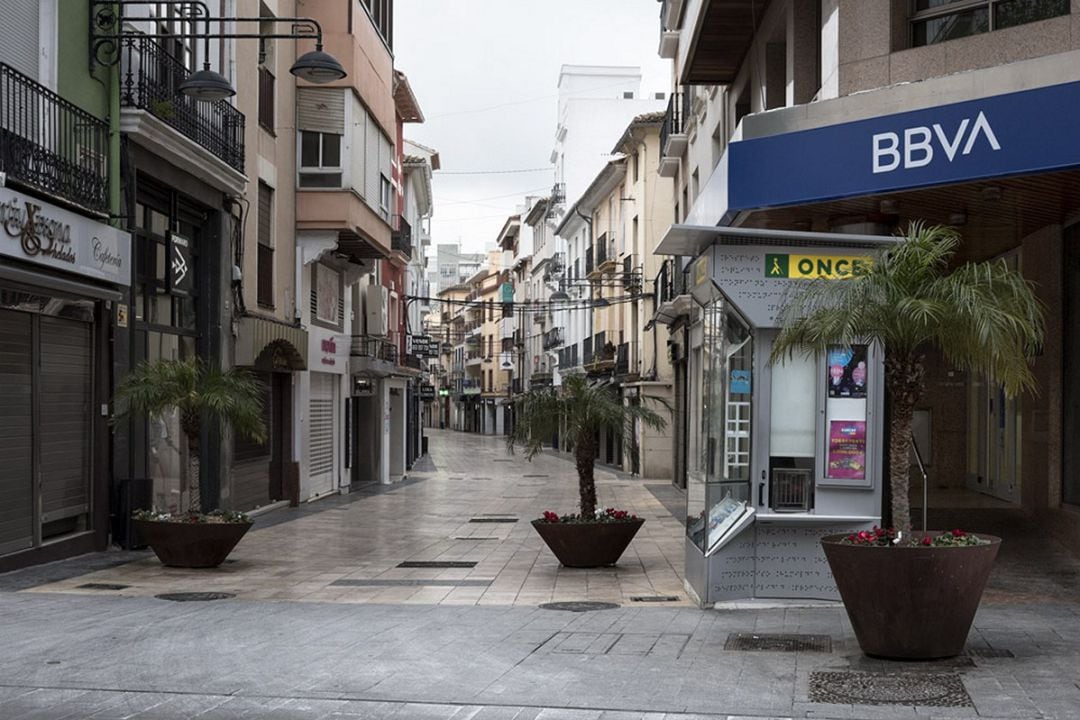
(779, 455)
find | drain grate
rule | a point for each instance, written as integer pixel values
(473, 537)
(783, 642)
(493, 520)
(502, 460)
(412, 582)
(195, 596)
(654, 598)
(579, 606)
(862, 688)
(102, 586)
(535, 476)
(440, 564)
(988, 652)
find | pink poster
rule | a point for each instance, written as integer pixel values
(847, 450)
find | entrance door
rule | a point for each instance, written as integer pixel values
(16, 432)
(993, 441)
(322, 433)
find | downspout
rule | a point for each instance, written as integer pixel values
(588, 221)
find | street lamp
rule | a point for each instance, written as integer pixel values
(207, 85)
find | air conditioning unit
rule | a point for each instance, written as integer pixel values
(376, 301)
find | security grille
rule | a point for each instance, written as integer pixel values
(792, 490)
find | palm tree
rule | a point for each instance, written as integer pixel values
(983, 317)
(200, 394)
(580, 409)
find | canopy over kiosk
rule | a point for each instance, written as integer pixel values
(779, 455)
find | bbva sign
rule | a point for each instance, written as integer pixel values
(917, 148)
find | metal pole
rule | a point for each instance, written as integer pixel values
(922, 469)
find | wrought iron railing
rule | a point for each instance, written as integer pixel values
(50, 145)
(552, 338)
(401, 240)
(601, 250)
(375, 348)
(414, 361)
(670, 281)
(674, 118)
(150, 81)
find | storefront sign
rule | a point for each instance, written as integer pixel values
(507, 292)
(423, 346)
(811, 267)
(427, 392)
(181, 269)
(41, 233)
(1023, 132)
(329, 349)
(847, 450)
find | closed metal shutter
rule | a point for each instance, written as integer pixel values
(321, 110)
(21, 47)
(16, 429)
(64, 389)
(321, 433)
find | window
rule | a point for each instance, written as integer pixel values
(382, 16)
(320, 159)
(327, 297)
(265, 272)
(266, 70)
(934, 21)
(384, 194)
(634, 164)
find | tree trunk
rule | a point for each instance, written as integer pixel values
(904, 377)
(585, 456)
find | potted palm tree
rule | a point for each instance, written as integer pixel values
(580, 409)
(914, 595)
(199, 535)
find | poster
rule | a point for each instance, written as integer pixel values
(846, 372)
(847, 450)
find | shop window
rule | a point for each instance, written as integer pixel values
(320, 160)
(934, 21)
(265, 261)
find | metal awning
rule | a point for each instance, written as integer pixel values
(271, 344)
(691, 240)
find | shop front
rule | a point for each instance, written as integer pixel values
(993, 154)
(62, 282)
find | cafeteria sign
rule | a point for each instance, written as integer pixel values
(812, 267)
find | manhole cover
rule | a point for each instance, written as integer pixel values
(654, 598)
(102, 586)
(778, 642)
(860, 688)
(988, 652)
(194, 596)
(493, 520)
(579, 606)
(436, 564)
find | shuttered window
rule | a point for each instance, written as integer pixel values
(20, 48)
(321, 110)
(265, 271)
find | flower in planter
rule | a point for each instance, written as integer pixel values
(882, 537)
(215, 517)
(609, 515)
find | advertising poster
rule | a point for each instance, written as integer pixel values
(847, 450)
(846, 371)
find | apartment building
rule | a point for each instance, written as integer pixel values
(809, 121)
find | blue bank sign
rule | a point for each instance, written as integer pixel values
(1024, 132)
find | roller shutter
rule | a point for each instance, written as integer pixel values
(16, 429)
(322, 433)
(21, 46)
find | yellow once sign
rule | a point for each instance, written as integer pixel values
(809, 267)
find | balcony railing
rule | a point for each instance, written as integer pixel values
(151, 80)
(678, 110)
(50, 145)
(401, 240)
(414, 361)
(601, 251)
(670, 281)
(375, 348)
(552, 338)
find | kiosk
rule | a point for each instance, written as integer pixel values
(779, 455)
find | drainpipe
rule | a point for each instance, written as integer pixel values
(588, 221)
(114, 145)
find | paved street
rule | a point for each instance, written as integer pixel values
(472, 643)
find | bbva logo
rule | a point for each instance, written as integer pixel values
(918, 149)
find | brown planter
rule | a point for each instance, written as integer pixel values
(588, 545)
(191, 545)
(912, 603)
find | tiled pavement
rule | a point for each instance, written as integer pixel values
(424, 651)
(348, 552)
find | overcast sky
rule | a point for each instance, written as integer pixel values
(485, 73)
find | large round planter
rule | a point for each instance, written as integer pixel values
(911, 602)
(588, 545)
(191, 545)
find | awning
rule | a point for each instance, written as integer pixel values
(691, 240)
(271, 345)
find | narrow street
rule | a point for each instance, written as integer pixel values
(323, 624)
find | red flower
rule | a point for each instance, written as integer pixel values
(551, 517)
(927, 540)
(959, 533)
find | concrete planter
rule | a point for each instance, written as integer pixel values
(912, 602)
(191, 545)
(588, 545)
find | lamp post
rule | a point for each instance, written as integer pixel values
(107, 33)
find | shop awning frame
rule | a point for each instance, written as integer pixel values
(692, 240)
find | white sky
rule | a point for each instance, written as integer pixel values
(485, 73)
